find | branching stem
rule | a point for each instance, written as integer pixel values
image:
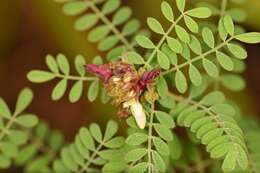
(77, 78)
(112, 27)
(147, 63)
(150, 134)
(197, 58)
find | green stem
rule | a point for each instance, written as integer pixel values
(222, 13)
(197, 58)
(112, 27)
(77, 78)
(90, 160)
(8, 126)
(147, 63)
(150, 133)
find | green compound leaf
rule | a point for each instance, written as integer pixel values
(59, 89)
(251, 37)
(135, 154)
(136, 139)
(4, 162)
(180, 82)
(27, 120)
(52, 64)
(208, 37)
(167, 102)
(163, 132)
(237, 51)
(108, 43)
(139, 168)
(174, 45)
(225, 109)
(167, 11)
(229, 25)
(233, 82)
(195, 75)
(93, 91)
(158, 161)
(4, 109)
(225, 61)
(115, 142)
(63, 64)
(161, 146)
(24, 99)
(75, 8)
(213, 98)
(162, 87)
(134, 58)
(9, 150)
(210, 67)
(180, 5)
(195, 45)
(155, 25)
(96, 132)
(144, 42)
(164, 119)
(163, 60)
(38, 76)
(121, 16)
(221, 135)
(131, 27)
(86, 22)
(76, 91)
(201, 12)
(191, 24)
(86, 138)
(182, 34)
(110, 6)
(98, 33)
(222, 30)
(111, 129)
(18, 137)
(114, 166)
(83, 154)
(175, 148)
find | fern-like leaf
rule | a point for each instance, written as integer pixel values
(211, 120)
(43, 146)
(113, 34)
(60, 68)
(13, 127)
(92, 150)
(150, 158)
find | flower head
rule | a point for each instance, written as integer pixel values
(123, 83)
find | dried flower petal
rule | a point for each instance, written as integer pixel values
(137, 110)
(101, 71)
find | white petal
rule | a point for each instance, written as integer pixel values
(138, 112)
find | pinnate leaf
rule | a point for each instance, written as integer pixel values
(155, 25)
(201, 12)
(251, 37)
(167, 11)
(38, 76)
(144, 41)
(180, 81)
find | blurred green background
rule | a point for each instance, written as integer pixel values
(31, 29)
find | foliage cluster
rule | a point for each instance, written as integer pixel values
(191, 125)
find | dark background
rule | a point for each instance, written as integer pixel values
(31, 29)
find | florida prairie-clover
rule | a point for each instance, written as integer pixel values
(125, 85)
